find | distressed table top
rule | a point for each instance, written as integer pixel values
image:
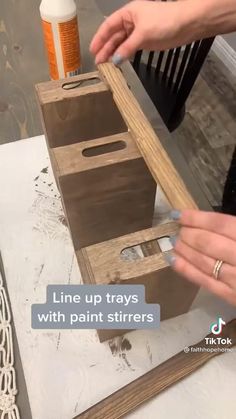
(68, 371)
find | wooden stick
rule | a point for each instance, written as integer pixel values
(149, 145)
(163, 376)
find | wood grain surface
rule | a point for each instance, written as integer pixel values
(155, 381)
(149, 145)
(105, 263)
(83, 113)
(105, 258)
(205, 163)
(23, 63)
(207, 136)
(71, 159)
(109, 200)
(58, 90)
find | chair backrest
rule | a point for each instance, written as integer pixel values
(178, 68)
(176, 71)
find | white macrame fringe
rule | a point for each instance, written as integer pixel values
(8, 389)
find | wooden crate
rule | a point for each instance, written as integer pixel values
(100, 171)
(107, 161)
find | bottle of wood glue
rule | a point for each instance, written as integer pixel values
(60, 27)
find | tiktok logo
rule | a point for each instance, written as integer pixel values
(216, 328)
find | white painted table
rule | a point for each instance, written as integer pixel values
(68, 371)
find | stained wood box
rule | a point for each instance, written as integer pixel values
(107, 161)
(106, 263)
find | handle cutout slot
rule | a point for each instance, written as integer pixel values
(165, 244)
(137, 252)
(80, 83)
(104, 149)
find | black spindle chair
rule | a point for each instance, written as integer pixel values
(168, 77)
(229, 197)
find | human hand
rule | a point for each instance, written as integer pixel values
(143, 25)
(205, 238)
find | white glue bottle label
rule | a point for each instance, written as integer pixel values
(61, 34)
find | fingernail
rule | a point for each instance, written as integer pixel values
(97, 62)
(175, 215)
(173, 240)
(117, 59)
(169, 258)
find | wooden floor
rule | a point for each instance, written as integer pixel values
(207, 136)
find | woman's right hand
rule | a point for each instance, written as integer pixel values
(144, 25)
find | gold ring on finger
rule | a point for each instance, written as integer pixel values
(217, 269)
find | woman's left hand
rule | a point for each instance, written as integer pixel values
(204, 239)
